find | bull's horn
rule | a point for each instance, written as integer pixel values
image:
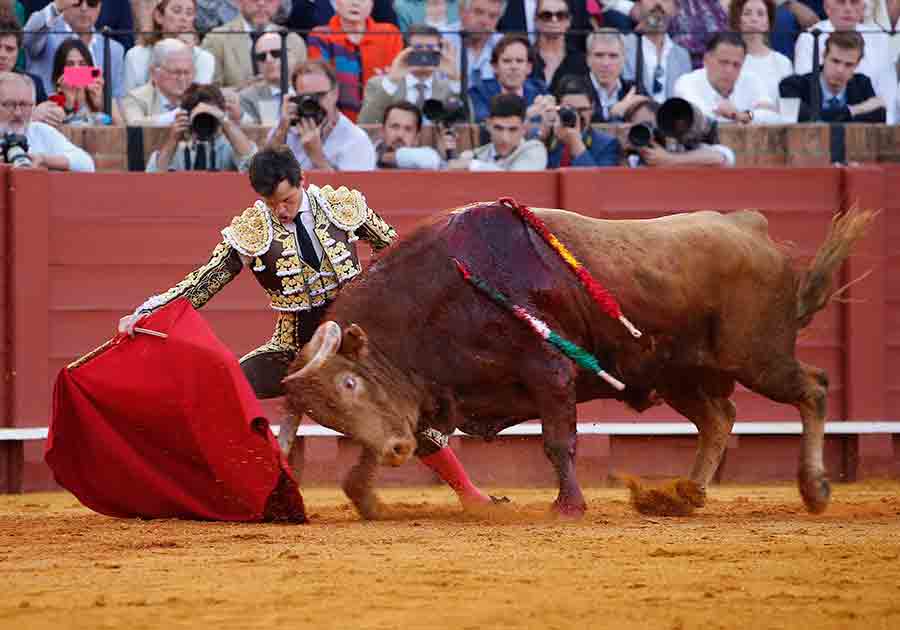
(324, 343)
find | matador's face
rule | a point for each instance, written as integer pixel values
(285, 201)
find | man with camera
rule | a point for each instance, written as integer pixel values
(399, 143)
(320, 136)
(416, 75)
(567, 129)
(203, 137)
(24, 143)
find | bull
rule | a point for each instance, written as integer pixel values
(411, 344)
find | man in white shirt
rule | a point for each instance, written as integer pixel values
(721, 91)
(664, 61)
(321, 138)
(47, 148)
(877, 63)
(171, 73)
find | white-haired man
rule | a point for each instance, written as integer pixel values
(171, 72)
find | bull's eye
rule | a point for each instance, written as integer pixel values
(349, 383)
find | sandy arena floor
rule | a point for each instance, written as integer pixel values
(752, 559)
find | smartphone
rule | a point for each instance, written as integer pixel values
(424, 58)
(80, 76)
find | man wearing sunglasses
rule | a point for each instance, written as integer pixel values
(663, 61)
(61, 20)
(260, 103)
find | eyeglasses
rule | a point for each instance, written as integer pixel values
(12, 106)
(91, 3)
(316, 95)
(657, 80)
(557, 16)
(178, 74)
(261, 55)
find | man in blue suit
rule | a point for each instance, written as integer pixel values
(511, 60)
(570, 140)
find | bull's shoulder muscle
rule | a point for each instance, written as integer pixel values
(750, 220)
(251, 232)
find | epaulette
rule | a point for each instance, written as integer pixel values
(346, 208)
(251, 233)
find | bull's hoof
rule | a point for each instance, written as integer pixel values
(816, 492)
(569, 510)
(676, 498)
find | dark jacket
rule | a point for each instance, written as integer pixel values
(574, 63)
(598, 108)
(602, 150)
(481, 93)
(513, 21)
(859, 89)
(40, 95)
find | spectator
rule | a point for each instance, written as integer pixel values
(572, 142)
(845, 95)
(60, 20)
(199, 145)
(261, 103)
(519, 16)
(508, 149)
(47, 148)
(327, 140)
(709, 153)
(305, 16)
(10, 47)
(694, 23)
(620, 15)
(664, 60)
(114, 14)
(170, 18)
(512, 61)
(171, 72)
(553, 58)
(847, 15)
(754, 19)
(357, 46)
(13, 16)
(235, 65)
(212, 14)
(82, 105)
(399, 143)
(441, 14)
(612, 95)
(721, 91)
(413, 83)
(886, 15)
(478, 38)
(791, 18)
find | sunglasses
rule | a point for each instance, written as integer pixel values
(557, 16)
(261, 56)
(91, 3)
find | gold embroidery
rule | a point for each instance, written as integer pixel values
(201, 284)
(251, 233)
(345, 208)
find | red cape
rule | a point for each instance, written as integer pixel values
(162, 428)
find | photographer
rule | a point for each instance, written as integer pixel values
(415, 76)
(25, 143)
(399, 143)
(647, 146)
(213, 141)
(569, 138)
(319, 135)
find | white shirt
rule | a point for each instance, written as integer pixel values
(47, 140)
(771, 69)
(875, 64)
(479, 67)
(748, 90)
(607, 100)
(412, 87)
(347, 147)
(652, 61)
(308, 220)
(137, 66)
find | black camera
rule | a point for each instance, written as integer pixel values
(679, 119)
(644, 134)
(308, 107)
(14, 148)
(440, 113)
(424, 58)
(568, 117)
(205, 126)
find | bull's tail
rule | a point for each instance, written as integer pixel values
(816, 287)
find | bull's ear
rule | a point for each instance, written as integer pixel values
(355, 343)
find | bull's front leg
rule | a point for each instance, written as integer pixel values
(359, 485)
(560, 439)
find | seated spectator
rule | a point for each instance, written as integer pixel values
(791, 18)
(305, 16)
(885, 14)
(10, 47)
(171, 72)
(612, 95)
(844, 95)
(47, 148)
(235, 65)
(721, 91)
(554, 58)
(512, 60)
(877, 64)
(571, 141)
(519, 16)
(171, 18)
(754, 19)
(694, 22)
(477, 40)
(399, 143)
(325, 140)
(82, 105)
(412, 83)
(214, 13)
(619, 15)
(441, 14)
(60, 20)
(358, 47)
(709, 153)
(261, 102)
(508, 149)
(200, 145)
(664, 60)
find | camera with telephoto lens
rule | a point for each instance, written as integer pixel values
(14, 148)
(683, 121)
(440, 113)
(568, 117)
(205, 126)
(644, 134)
(308, 107)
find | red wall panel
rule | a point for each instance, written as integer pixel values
(891, 268)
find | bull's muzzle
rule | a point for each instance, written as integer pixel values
(397, 451)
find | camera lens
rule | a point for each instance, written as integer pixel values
(568, 117)
(204, 126)
(308, 107)
(640, 135)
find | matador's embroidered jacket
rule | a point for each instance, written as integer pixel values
(293, 286)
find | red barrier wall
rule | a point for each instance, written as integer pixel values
(86, 249)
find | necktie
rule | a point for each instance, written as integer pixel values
(420, 94)
(307, 249)
(254, 35)
(200, 159)
(834, 103)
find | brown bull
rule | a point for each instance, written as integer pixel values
(412, 343)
